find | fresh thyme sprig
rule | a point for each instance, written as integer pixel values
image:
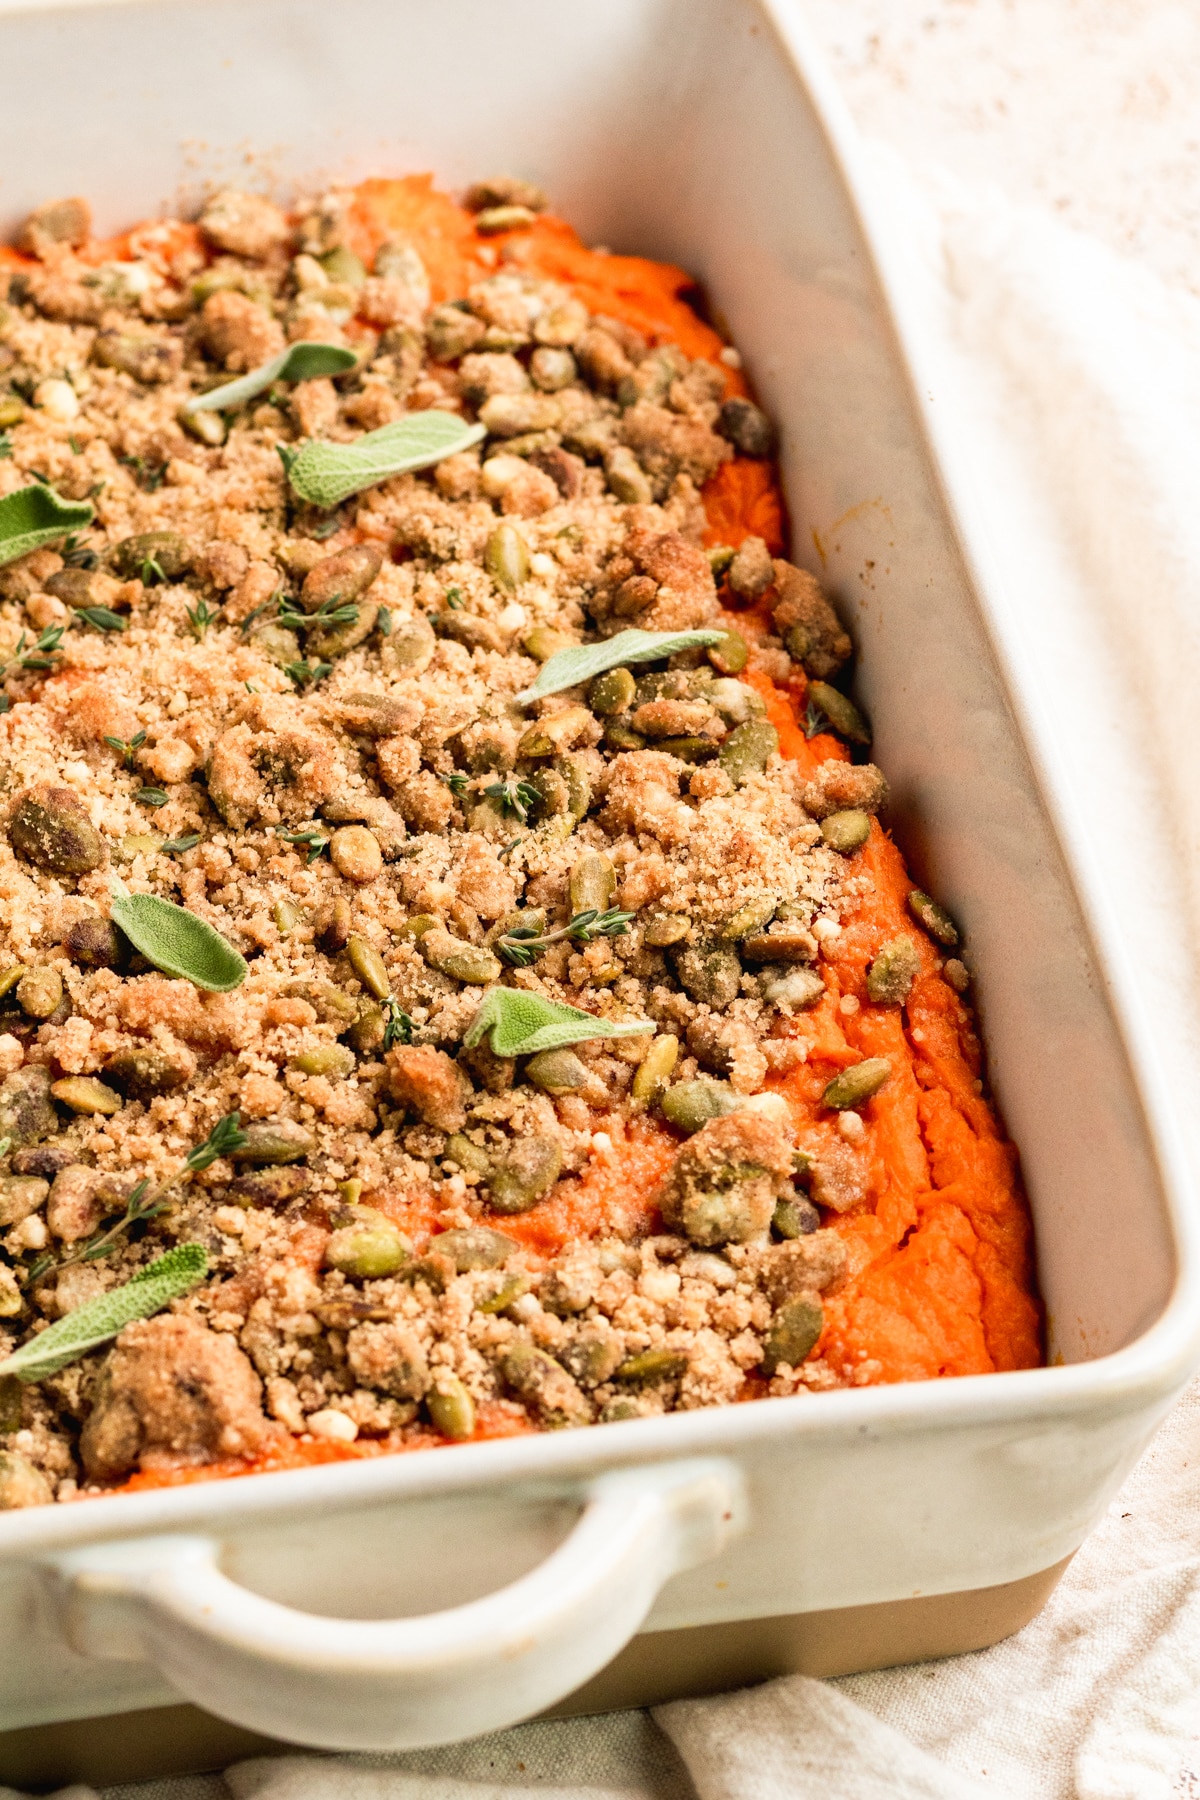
(38, 657)
(199, 618)
(314, 840)
(307, 674)
(188, 842)
(328, 613)
(101, 618)
(125, 747)
(522, 944)
(151, 796)
(145, 1203)
(398, 1027)
(814, 720)
(457, 783)
(513, 797)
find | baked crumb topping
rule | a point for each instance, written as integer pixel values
(300, 725)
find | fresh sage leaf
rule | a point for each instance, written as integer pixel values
(97, 1320)
(326, 474)
(580, 662)
(299, 362)
(34, 516)
(179, 943)
(521, 1024)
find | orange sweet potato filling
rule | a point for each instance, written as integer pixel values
(941, 1264)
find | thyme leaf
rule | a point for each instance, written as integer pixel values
(521, 945)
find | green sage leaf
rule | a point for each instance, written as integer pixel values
(326, 474)
(299, 362)
(36, 515)
(568, 668)
(97, 1320)
(521, 1024)
(179, 943)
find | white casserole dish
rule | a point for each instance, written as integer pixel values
(365, 1605)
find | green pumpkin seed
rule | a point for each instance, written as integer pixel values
(367, 1028)
(612, 693)
(618, 735)
(690, 1104)
(506, 557)
(40, 992)
(593, 883)
(473, 1246)
(50, 827)
(557, 1072)
(369, 1248)
(510, 1289)
(411, 645)
(710, 974)
(286, 917)
(655, 1069)
(471, 1157)
(752, 917)
(84, 1094)
(324, 1059)
(857, 1083)
(451, 1409)
(795, 1218)
(652, 1365)
(793, 1332)
(747, 750)
(846, 832)
(667, 929)
(526, 1175)
(170, 553)
(934, 918)
(368, 965)
(543, 642)
(892, 973)
(841, 712)
(730, 656)
(471, 963)
(11, 411)
(281, 1142)
(10, 978)
(688, 749)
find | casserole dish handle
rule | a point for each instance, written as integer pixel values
(367, 1684)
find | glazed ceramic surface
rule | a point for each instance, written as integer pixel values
(428, 1597)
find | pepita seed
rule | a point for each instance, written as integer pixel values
(857, 1083)
(690, 1104)
(473, 1246)
(846, 832)
(367, 1028)
(39, 992)
(841, 712)
(469, 1156)
(593, 883)
(652, 1365)
(753, 916)
(557, 1071)
(666, 929)
(934, 918)
(273, 1143)
(793, 1332)
(368, 1249)
(655, 1069)
(612, 693)
(729, 657)
(556, 732)
(620, 735)
(747, 750)
(84, 1094)
(527, 1173)
(286, 917)
(472, 963)
(795, 1218)
(510, 1288)
(710, 974)
(324, 1059)
(543, 642)
(51, 828)
(507, 558)
(368, 965)
(893, 971)
(10, 978)
(451, 1409)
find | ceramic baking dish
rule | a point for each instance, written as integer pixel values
(424, 1598)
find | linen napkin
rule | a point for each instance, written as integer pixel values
(1068, 385)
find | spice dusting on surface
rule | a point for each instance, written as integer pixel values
(515, 1055)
